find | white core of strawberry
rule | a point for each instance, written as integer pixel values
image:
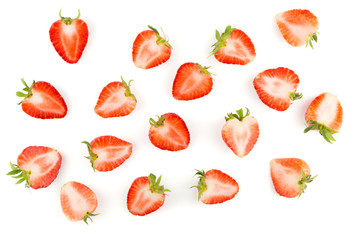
(69, 30)
(289, 177)
(327, 110)
(193, 85)
(277, 87)
(36, 166)
(145, 199)
(216, 188)
(116, 100)
(110, 153)
(236, 48)
(149, 50)
(76, 201)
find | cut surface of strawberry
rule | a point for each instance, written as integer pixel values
(290, 176)
(298, 27)
(42, 100)
(192, 81)
(145, 195)
(240, 132)
(233, 46)
(324, 114)
(37, 166)
(78, 201)
(169, 132)
(150, 49)
(108, 152)
(115, 100)
(215, 186)
(277, 87)
(69, 37)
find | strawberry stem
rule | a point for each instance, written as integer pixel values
(17, 173)
(157, 123)
(311, 38)
(240, 115)
(295, 96)
(304, 180)
(221, 39)
(93, 156)
(324, 131)
(160, 40)
(27, 90)
(87, 216)
(155, 186)
(68, 20)
(202, 186)
(204, 69)
(127, 88)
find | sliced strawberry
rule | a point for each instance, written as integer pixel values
(233, 47)
(324, 114)
(145, 195)
(169, 132)
(215, 187)
(115, 100)
(290, 176)
(150, 49)
(277, 87)
(108, 152)
(42, 100)
(240, 132)
(69, 37)
(192, 81)
(78, 202)
(38, 166)
(298, 27)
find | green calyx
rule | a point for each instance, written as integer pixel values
(88, 216)
(26, 89)
(93, 156)
(201, 186)
(155, 186)
(157, 123)
(127, 88)
(311, 38)
(325, 131)
(304, 180)
(221, 39)
(68, 20)
(238, 115)
(17, 173)
(160, 40)
(204, 69)
(295, 96)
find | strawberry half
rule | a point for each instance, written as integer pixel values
(150, 49)
(192, 81)
(42, 100)
(37, 166)
(169, 132)
(108, 152)
(78, 202)
(324, 114)
(277, 87)
(69, 37)
(298, 27)
(290, 176)
(240, 132)
(145, 195)
(115, 100)
(233, 47)
(215, 187)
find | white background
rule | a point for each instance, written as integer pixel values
(330, 205)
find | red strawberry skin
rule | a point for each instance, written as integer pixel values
(141, 200)
(172, 134)
(69, 38)
(109, 152)
(42, 163)
(297, 26)
(77, 201)
(192, 81)
(277, 87)
(150, 50)
(286, 174)
(113, 101)
(44, 102)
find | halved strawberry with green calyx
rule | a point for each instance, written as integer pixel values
(108, 152)
(37, 166)
(298, 27)
(145, 195)
(233, 47)
(78, 201)
(192, 81)
(42, 100)
(240, 132)
(324, 114)
(215, 186)
(69, 37)
(150, 49)
(290, 176)
(116, 100)
(169, 132)
(277, 87)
